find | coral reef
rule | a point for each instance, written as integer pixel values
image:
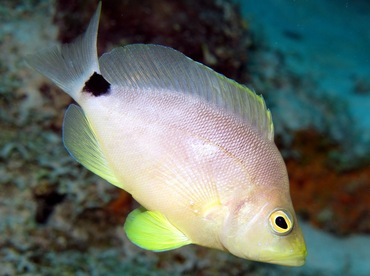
(327, 153)
(316, 136)
(336, 201)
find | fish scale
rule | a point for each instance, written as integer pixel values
(193, 147)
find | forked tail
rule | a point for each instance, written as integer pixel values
(70, 65)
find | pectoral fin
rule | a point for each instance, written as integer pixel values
(152, 231)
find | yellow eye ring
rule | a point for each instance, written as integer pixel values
(281, 222)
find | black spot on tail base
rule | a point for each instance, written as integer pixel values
(97, 85)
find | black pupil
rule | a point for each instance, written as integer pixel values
(280, 221)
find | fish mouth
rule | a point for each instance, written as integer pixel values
(295, 259)
(288, 262)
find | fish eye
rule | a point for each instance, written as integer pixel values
(281, 222)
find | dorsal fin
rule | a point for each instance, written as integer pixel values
(144, 67)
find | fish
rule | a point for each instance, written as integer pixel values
(194, 148)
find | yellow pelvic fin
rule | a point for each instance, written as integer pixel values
(81, 142)
(152, 231)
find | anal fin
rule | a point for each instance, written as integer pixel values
(152, 231)
(81, 142)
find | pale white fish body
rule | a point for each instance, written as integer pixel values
(193, 147)
(152, 161)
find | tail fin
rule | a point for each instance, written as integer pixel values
(70, 65)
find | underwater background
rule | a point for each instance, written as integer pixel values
(309, 59)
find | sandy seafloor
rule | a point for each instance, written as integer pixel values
(324, 43)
